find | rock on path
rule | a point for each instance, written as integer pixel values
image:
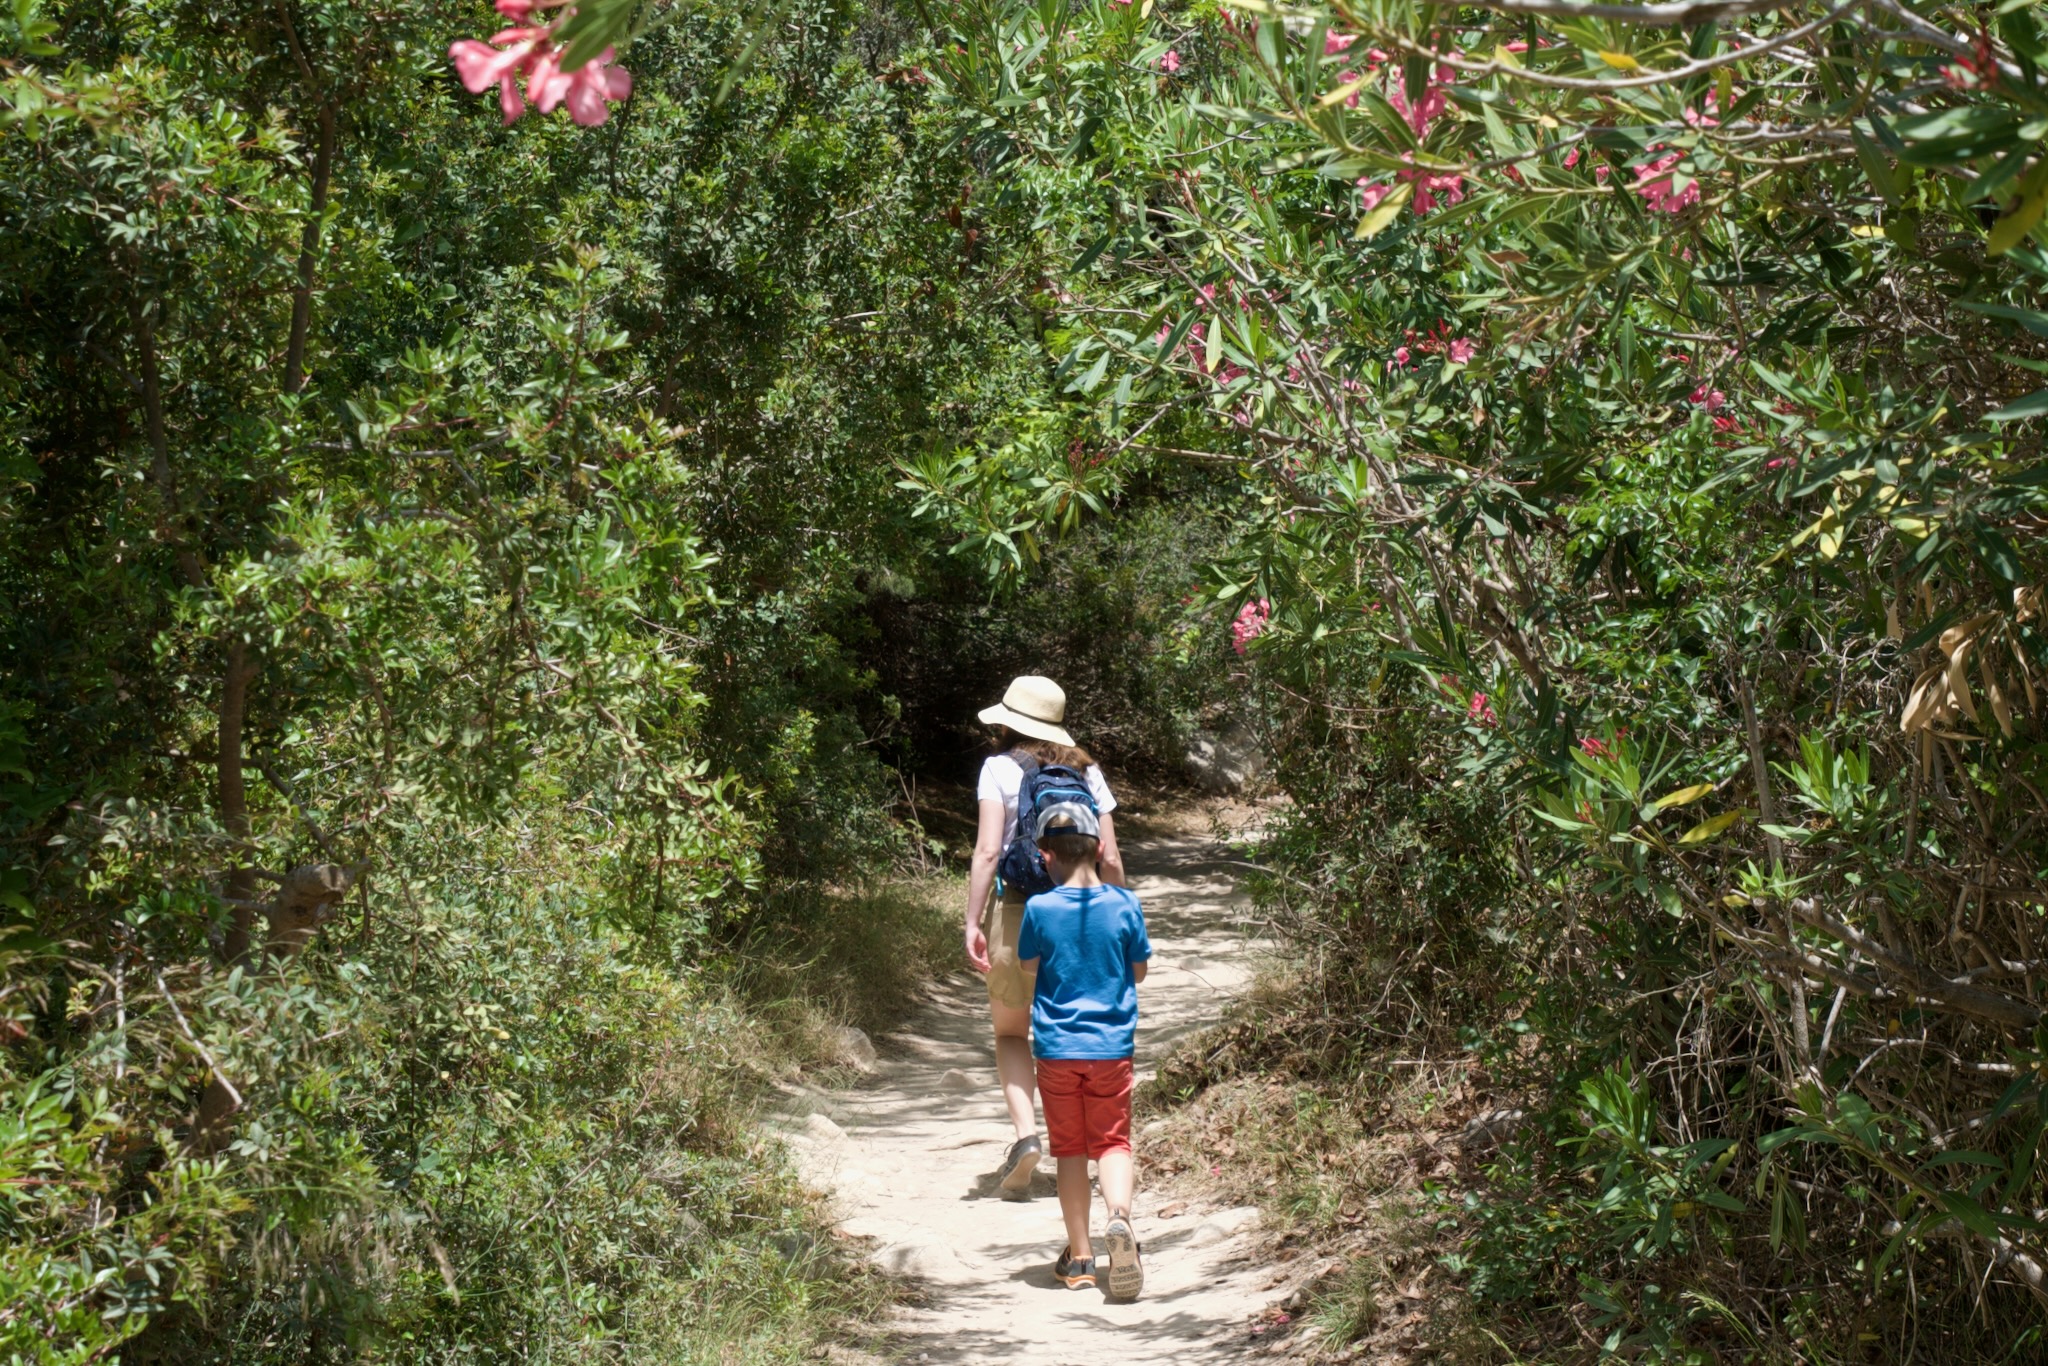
(909, 1157)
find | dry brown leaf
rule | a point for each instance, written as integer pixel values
(1991, 691)
(1959, 681)
(2026, 676)
(1923, 701)
(1893, 630)
(1953, 638)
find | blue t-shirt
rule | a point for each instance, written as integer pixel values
(1085, 940)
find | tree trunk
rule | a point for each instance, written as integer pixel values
(309, 256)
(234, 796)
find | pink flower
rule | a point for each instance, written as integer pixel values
(1571, 158)
(1250, 624)
(1724, 423)
(1595, 748)
(531, 51)
(1334, 43)
(1710, 399)
(1370, 195)
(1345, 78)
(1373, 56)
(1401, 358)
(1429, 184)
(1462, 350)
(480, 66)
(1424, 112)
(1516, 46)
(1480, 711)
(1654, 184)
(1601, 171)
(586, 90)
(1170, 63)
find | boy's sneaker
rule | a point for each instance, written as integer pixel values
(1126, 1273)
(1018, 1166)
(1075, 1274)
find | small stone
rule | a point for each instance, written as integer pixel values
(1174, 1210)
(1223, 1225)
(818, 1126)
(1487, 1131)
(856, 1049)
(794, 1245)
(953, 1079)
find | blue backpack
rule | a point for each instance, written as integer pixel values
(1023, 868)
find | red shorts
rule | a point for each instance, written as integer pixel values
(1087, 1105)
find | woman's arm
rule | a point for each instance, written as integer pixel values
(981, 879)
(1138, 970)
(1110, 859)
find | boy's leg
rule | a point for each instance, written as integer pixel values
(1108, 1102)
(1116, 1173)
(1074, 1202)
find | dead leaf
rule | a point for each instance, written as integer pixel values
(1923, 702)
(1991, 691)
(1172, 1211)
(1959, 680)
(1953, 638)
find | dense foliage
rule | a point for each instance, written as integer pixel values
(433, 559)
(462, 566)
(1634, 411)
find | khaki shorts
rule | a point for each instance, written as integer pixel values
(1008, 983)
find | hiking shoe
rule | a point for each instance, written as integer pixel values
(1075, 1274)
(1018, 1166)
(1126, 1273)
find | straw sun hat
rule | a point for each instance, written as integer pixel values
(1032, 706)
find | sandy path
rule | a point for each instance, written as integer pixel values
(910, 1155)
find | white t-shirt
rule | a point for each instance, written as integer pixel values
(1002, 778)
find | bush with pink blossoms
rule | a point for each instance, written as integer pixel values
(1250, 624)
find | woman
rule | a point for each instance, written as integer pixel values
(1029, 718)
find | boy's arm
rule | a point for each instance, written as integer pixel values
(1138, 950)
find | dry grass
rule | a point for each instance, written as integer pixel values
(1354, 1178)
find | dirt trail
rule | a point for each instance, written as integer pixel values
(910, 1155)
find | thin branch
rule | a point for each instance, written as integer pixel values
(185, 1028)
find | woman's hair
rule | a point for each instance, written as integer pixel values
(1045, 751)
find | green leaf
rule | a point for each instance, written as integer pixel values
(1384, 212)
(2033, 405)
(1973, 1215)
(1968, 1156)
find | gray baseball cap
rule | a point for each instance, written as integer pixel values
(1068, 818)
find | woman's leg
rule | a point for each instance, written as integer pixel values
(1014, 1066)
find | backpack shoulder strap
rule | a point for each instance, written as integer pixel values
(1026, 761)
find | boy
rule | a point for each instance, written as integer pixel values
(1086, 941)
